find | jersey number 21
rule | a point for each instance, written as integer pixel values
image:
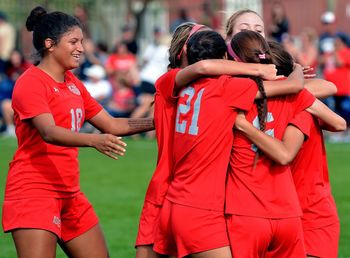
(183, 109)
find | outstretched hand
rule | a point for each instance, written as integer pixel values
(110, 145)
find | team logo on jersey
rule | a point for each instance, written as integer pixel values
(55, 89)
(56, 220)
(73, 89)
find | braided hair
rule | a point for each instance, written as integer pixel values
(251, 47)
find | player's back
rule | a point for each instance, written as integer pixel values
(203, 138)
(265, 188)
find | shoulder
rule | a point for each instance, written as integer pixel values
(169, 75)
(32, 78)
(237, 80)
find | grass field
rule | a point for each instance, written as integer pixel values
(116, 189)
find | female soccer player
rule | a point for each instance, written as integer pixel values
(261, 197)
(165, 109)
(195, 132)
(310, 171)
(43, 202)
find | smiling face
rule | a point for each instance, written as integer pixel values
(249, 21)
(68, 50)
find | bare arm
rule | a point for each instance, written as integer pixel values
(216, 67)
(282, 152)
(320, 88)
(333, 121)
(121, 126)
(293, 84)
(107, 144)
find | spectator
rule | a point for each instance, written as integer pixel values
(337, 70)
(89, 58)
(307, 54)
(122, 63)
(326, 39)
(280, 24)
(97, 85)
(128, 36)
(209, 18)
(81, 13)
(7, 38)
(122, 103)
(102, 52)
(14, 68)
(182, 17)
(155, 62)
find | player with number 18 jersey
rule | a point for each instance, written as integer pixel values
(70, 104)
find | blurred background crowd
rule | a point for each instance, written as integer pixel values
(126, 45)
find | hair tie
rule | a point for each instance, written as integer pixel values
(262, 56)
(232, 53)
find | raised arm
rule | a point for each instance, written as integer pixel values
(293, 84)
(282, 152)
(333, 122)
(320, 88)
(215, 67)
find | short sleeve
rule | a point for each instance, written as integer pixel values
(30, 97)
(303, 100)
(240, 93)
(165, 85)
(303, 121)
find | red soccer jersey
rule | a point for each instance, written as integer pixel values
(117, 62)
(164, 120)
(340, 75)
(40, 169)
(206, 112)
(310, 174)
(266, 191)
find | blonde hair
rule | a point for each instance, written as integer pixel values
(231, 22)
(177, 43)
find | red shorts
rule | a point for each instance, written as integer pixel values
(148, 223)
(185, 230)
(260, 237)
(323, 242)
(67, 217)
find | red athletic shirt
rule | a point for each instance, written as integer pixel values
(340, 75)
(206, 112)
(310, 174)
(164, 120)
(117, 62)
(266, 191)
(39, 169)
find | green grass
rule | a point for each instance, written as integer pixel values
(116, 189)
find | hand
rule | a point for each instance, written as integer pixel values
(109, 144)
(307, 72)
(240, 121)
(268, 72)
